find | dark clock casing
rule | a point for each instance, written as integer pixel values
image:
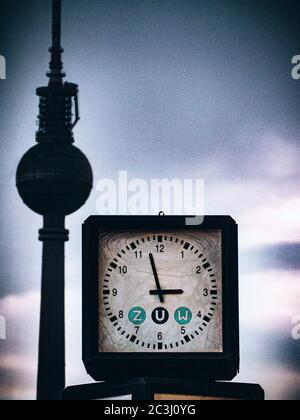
(200, 366)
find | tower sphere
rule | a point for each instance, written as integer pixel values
(54, 178)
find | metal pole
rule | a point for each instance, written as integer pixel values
(51, 369)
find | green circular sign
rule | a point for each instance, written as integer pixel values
(183, 316)
(137, 316)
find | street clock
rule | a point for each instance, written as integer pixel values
(160, 297)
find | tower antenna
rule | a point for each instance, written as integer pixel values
(56, 74)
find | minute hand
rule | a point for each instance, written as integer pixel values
(158, 286)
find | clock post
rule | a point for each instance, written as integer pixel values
(161, 310)
(54, 179)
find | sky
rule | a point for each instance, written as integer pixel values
(168, 89)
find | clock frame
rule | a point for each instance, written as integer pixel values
(116, 366)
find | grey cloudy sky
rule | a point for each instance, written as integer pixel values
(168, 88)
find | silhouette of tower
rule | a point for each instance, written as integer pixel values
(54, 179)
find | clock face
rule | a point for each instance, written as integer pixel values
(160, 292)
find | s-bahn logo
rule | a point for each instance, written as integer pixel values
(2, 68)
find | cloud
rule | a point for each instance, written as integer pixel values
(277, 158)
(18, 353)
(267, 212)
(283, 256)
(289, 354)
(279, 383)
(270, 300)
(272, 223)
(19, 306)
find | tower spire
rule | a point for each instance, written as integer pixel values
(56, 74)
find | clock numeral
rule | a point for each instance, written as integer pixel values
(199, 315)
(160, 248)
(137, 329)
(205, 292)
(183, 330)
(138, 254)
(115, 292)
(182, 254)
(123, 270)
(121, 314)
(198, 270)
(160, 336)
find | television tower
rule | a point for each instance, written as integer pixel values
(54, 179)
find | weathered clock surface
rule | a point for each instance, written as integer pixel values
(160, 292)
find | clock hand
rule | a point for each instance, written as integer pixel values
(167, 292)
(159, 290)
